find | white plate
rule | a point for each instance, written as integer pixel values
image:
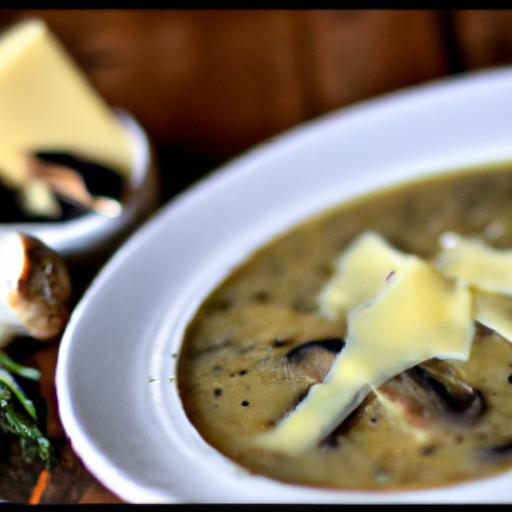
(133, 434)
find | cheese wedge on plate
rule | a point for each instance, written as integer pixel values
(47, 104)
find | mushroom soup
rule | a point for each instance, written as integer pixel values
(262, 341)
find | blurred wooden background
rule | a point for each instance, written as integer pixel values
(209, 84)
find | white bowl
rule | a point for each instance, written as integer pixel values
(117, 399)
(90, 234)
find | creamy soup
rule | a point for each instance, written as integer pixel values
(258, 343)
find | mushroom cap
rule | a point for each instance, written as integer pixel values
(34, 285)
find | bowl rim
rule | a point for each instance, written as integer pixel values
(237, 170)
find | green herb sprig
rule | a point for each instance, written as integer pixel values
(18, 415)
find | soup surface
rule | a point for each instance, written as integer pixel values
(258, 343)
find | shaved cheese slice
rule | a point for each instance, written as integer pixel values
(418, 315)
(477, 264)
(361, 273)
(495, 312)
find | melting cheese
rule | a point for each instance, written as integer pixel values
(474, 262)
(361, 272)
(495, 312)
(47, 104)
(419, 314)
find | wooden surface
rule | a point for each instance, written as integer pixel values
(216, 82)
(209, 84)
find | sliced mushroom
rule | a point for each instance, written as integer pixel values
(418, 397)
(314, 358)
(35, 288)
(432, 396)
(310, 362)
(456, 400)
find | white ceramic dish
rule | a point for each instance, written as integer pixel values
(133, 434)
(91, 233)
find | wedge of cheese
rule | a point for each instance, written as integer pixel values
(419, 314)
(361, 272)
(47, 104)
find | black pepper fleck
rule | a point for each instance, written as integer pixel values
(217, 392)
(262, 296)
(428, 450)
(510, 379)
(242, 372)
(245, 403)
(374, 420)
(279, 342)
